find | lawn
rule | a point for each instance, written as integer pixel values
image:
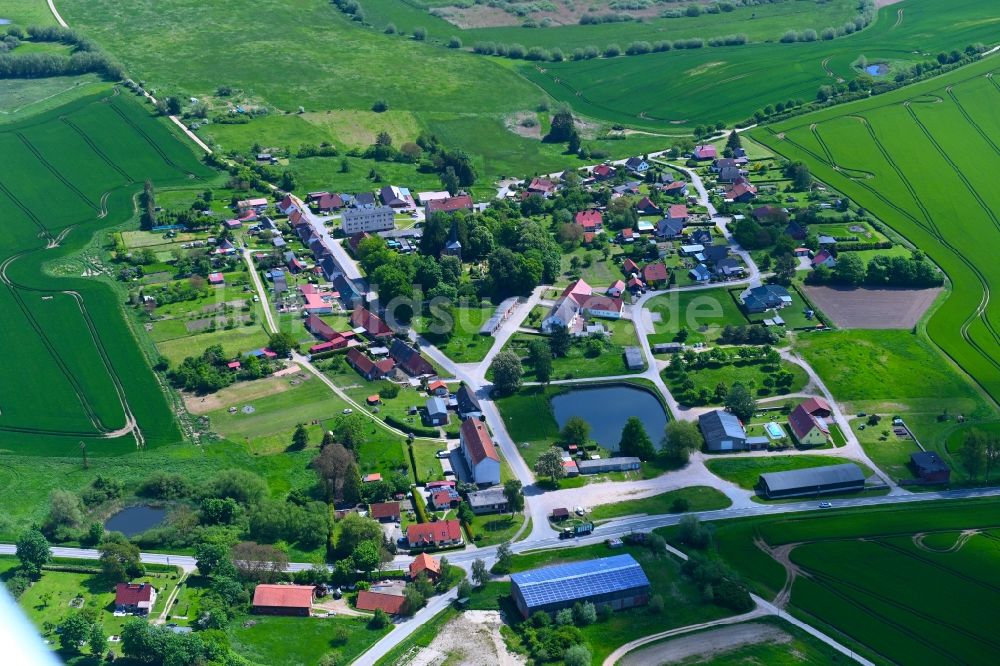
(925, 162)
(298, 641)
(93, 366)
(758, 377)
(745, 472)
(47, 602)
(702, 312)
(463, 343)
(581, 362)
(891, 455)
(698, 498)
(496, 528)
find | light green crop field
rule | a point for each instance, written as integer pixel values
(919, 158)
(78, 370)
(682, 88)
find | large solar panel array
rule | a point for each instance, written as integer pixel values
(578, 580)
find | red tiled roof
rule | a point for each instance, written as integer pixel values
(813, 405)
(676, 185)
(802, 422)
(424, 562)
(371, 478)
(476, 439)
(441, 498)
(821, 256)
(579, 291)
(602, 170)
(436, 384)
(384, 510)
(647, 204)
(372, 601)
(542, 185)
(283, 596)
(740, 189)
(442, 531)
(655, 272)
(604, 303)
(589, 219)
(630, 267)
(362, 316)
(628, 233)
(451, 204)
(320, 328)
(130, 594)
(677, 211)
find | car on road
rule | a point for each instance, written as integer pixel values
(348, 410)
(579, 510)
(449, 472)
(825, 505)
(443, 454)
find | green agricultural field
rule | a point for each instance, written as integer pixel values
(745, 472)
(297, 641)
(729, 83)
(918, 158)
(89, 364)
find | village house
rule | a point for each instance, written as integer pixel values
(629, 267)
(479, 452)
(134, 598)
(637, 165)
(449, 204)
(491, 500)
(705, 152)
(329, 203)
(368, 368)
(425, 564)
(590, 220)
(566, 310)
(616, 289)
(823, 258)
(765, 297)
(809, 430)
(647, 207)
(603, 172)
(669, 229)
(655, 274)
(258, 205)
(467, 404)
(387, 599)
(929, 467)
(216, 279)
(700, 273)
(722, 431)
(439, 534)
(675, 188)
(355, 220)
(396, 197)
(409, 359)
(741, 192)
(374, 326)
(542, 186)
(437, 412)
(283, 599)
(384, 512)
(606, 307)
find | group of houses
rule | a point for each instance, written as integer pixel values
(577, 303)
(729, 173)
(808, 423)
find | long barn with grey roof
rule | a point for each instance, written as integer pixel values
(618, 582)
(812, 481)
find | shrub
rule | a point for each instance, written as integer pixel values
(564, 617)
(380, 620)
(639, 48)
(390, 28)
(380, 106)
(577, 655)
(789, 37)
(612, 51)
(828, 34)
(420, 34)
(454, 43)
(516, 51)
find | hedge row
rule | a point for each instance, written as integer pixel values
(419, 507)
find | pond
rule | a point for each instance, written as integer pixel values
(606, 408)
(4, 21)
(135, 520)
(878, 69)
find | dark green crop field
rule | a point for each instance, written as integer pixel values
(73, 371)
(922, 159)
(680, 89)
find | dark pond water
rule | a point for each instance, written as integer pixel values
(606, 408)
(135, 520)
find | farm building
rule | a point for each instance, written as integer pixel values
(633, 358)
(722, 431)
(500, 315)
(616, 581)
(388, 600)
(468, 403)
(371, 322)
(491, 500)
(409, 359)
(602, 465)
(929, 467)
(479, 452)
(135, 598)
(812, 481)
(437, 411)
(283, 599)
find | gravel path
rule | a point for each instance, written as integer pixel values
(706, 644)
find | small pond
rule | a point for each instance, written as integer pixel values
(606, 408)
(135, 520)
(878, 69)
(4, 21)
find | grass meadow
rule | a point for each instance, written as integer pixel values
(919, 158)
(297, 642)
(70, 334)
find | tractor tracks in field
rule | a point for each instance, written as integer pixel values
(55, 172)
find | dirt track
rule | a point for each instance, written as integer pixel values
(872, 308)
(705, 644)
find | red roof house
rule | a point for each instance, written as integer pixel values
(590, 220)
(817, 407)
(383, 511)
(368, 368)
(654, 273)
(647, 207)
(630, 267)
(372, 478)
(678, 212)
(742, 192)
(438, 387)
(541, 186)
(373, 601)
(808, 429)
(441, 499)
(137, 598)
(283, 599)
(376, 328)
(425, 563)
(216, 279)
(603, 172)
(708, 152)
(434, 535)
(450, 205)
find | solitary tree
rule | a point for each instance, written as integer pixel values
(682, 437)
(120, 559)
(73, 631)
(479, 572)
(507, 372)
(97, 641)
(740, 402)
(576, 431)
(635, 441)
(559, 341)
(33, 551)
(514, 494)
(366, 556)
(549, 464)
(300, 438)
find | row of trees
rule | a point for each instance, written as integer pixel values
(881, 270)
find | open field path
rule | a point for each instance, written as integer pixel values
(258, 285)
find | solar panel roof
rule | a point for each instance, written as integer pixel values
(566, 582)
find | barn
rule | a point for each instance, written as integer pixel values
(283, 599)
(812, 481)
(929, 467)
(616, 581)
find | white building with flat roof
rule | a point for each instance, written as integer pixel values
(357, 220)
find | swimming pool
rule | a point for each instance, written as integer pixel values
(774, 431)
